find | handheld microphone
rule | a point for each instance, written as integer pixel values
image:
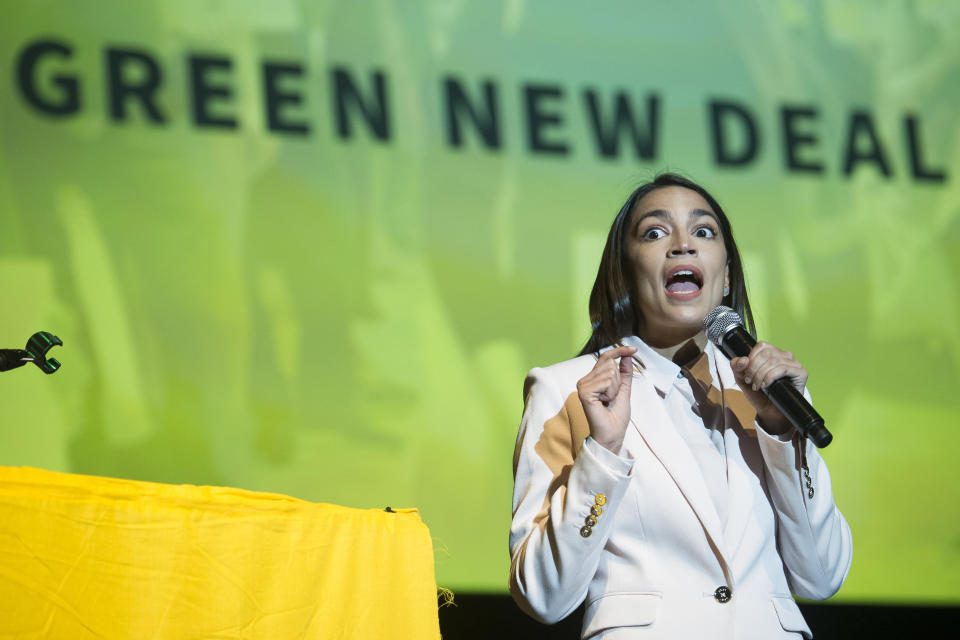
(724, 328)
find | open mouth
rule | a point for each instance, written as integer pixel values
(684, 281)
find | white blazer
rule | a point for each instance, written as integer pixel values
(654, 563)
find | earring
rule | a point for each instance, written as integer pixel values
(726, 291)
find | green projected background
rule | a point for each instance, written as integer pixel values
(313, 247)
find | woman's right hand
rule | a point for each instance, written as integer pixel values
(605, 396)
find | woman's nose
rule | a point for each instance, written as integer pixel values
(681, 246)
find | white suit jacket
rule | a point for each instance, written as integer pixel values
(652, 564)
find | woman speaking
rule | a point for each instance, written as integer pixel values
(653, 479)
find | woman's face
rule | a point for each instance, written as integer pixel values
(679, 264)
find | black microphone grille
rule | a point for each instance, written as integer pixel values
(719, 321)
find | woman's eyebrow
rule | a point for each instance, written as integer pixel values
(656, 213)
(699, 213)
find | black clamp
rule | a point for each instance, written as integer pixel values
(36, 352)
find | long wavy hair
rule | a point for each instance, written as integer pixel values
(613, 311)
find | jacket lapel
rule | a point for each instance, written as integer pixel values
(649, 417)
(739, 430)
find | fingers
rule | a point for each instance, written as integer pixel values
(762, 357)
(765, 364)
(774, 371)
(626, 365)
(626, 376)
(605, 396)
(625, 372)
(609, 377)
(619, 352)
(601, 383)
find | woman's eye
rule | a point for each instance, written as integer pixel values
(654, 233)
(705, 232)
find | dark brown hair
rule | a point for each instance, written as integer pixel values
(613, 312)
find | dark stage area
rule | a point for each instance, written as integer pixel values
(496, 616)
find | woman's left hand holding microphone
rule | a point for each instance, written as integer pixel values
(755, 372)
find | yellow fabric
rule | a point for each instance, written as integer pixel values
(89, 557)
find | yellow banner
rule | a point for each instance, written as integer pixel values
(89, 557)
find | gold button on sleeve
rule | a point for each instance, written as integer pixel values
(585, 531)
(601, 500)
(590, 520)
(596, 511)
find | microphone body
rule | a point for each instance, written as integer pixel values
(725, 329)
